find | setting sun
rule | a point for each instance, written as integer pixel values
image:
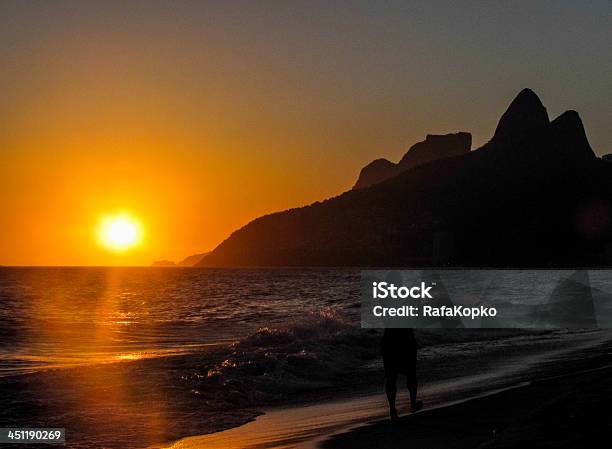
(119, 232)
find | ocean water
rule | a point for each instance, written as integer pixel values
(128, 357)
(137, 357)
(60, 317)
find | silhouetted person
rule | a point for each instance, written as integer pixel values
(399, 350)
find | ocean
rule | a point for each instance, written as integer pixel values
(137, 357)
(60, 317)
(110, 353)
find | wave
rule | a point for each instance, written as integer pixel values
(319, 353)
(272, 364)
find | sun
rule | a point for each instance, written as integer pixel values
(119, 232)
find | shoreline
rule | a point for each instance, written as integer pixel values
(160, 400)
(542, 413)
(307, 425)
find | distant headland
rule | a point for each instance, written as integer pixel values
(188, 261)
(534, 195)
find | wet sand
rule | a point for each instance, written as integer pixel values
(564, 412)
(462, 411)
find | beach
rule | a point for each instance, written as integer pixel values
(266, 225)
(567, 411)
(503, 404)
(118, 365)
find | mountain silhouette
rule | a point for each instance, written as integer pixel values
(432, 148)
(525, 118)
(535, 195)
(189, 261)
(192, 260)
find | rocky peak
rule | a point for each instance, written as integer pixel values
(432, 148)
(569, 138)
(375, 172)
(524, 118)
(436, 147)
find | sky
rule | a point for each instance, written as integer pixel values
(197, 117)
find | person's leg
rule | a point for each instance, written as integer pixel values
(391, 390)
(412, 383)
(412, 389)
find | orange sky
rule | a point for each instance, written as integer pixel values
(198, 118)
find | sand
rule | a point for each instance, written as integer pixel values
(570, 411)
(550, 399)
